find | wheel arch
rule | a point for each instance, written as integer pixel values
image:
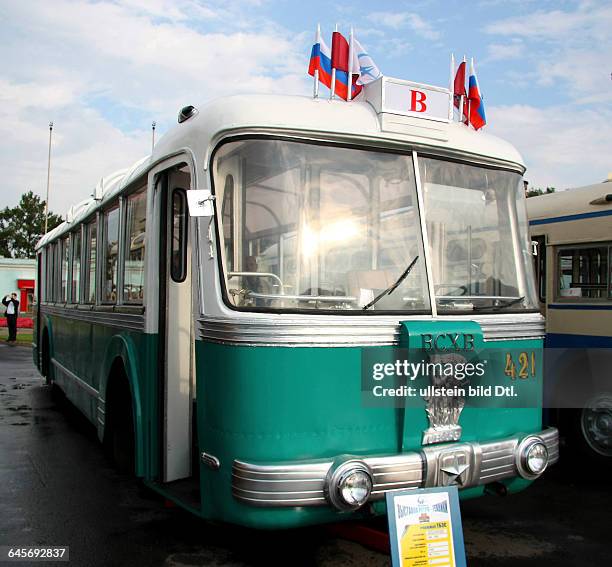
(121, 351)
(46, 331)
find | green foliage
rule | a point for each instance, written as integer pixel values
(538, 191)
(22, 226)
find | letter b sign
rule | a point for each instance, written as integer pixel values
(417, 101)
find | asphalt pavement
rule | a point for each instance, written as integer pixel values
(58, 489)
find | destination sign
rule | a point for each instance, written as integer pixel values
(395, 96)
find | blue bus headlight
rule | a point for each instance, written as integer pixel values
(348, 485)
(532, 457)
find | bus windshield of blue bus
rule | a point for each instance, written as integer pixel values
(308, 226)
(477, 228)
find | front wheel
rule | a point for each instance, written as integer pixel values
(596, 425)
(123, 441)
(119, 438)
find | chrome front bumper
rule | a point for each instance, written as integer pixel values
(460, 464)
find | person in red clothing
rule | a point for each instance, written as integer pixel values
(12, 312)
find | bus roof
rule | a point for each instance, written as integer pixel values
(355, 122)
(570, 202)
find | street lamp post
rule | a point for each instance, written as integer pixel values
(48, 176)
(153, 124)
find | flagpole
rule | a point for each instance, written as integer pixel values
(462, 97)
(315, 92)
(48, 176)
(451, 88)
(332, 92)
(469, 100)
(350, 68)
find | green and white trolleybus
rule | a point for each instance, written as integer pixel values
(210, 309)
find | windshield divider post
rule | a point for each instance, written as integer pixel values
(516, 239)
(425, 237)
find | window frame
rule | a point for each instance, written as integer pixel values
(73, 240)
(101, 265)
(412, 152)
(183, 236)
(86, 268)
(541, 267)
(557, 279)
(140, 190)
(65, 258)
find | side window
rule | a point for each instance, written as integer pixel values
(76, 266)
(51, 272)
(55, 275)
(540, 267)
(111, 253)
(48, 273)
(133, 281)
(92, 239)
(178, 244)
(65, 258)
(583, 273)
(227, 214)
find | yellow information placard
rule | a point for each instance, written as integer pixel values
(422, 529)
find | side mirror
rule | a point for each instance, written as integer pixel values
(200, 203)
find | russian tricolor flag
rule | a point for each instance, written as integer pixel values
(320, 60)
(477, 110)
(340, 62)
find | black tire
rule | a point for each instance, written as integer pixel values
(119, 436)
(45, 362)
(590, 429)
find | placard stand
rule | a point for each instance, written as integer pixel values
(425, 528)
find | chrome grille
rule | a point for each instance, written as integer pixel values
(303, 484)
(343, 331)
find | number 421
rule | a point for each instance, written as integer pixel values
(526, 366)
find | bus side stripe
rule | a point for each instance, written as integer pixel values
(574, 307)
(566, 218)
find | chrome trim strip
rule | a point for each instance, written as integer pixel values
(349, 331)
(303, 484)
(383, 140)
(89, 389)
(120, 320)
(426, 252)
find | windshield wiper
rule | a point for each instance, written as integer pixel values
(500, 305)
(393, 286)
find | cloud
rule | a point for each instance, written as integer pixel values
(568, 47)
(557, 25)
(396, 46)
(103, 70)
(564, 147)
(503, 51)
(399, 20)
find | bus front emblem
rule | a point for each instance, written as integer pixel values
(443, 411)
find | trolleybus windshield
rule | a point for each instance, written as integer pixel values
(477, 229)
(321, 227)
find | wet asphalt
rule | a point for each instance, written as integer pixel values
(58, 489)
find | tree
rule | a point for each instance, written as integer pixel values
(538, 191)
(22, 226)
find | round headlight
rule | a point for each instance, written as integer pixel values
(532, 457)
(536, 458)
(349, 485)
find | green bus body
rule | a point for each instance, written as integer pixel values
(278, 397)
(266, 404)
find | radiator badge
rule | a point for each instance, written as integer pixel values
(443, 411)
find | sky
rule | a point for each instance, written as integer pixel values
(103, 70)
